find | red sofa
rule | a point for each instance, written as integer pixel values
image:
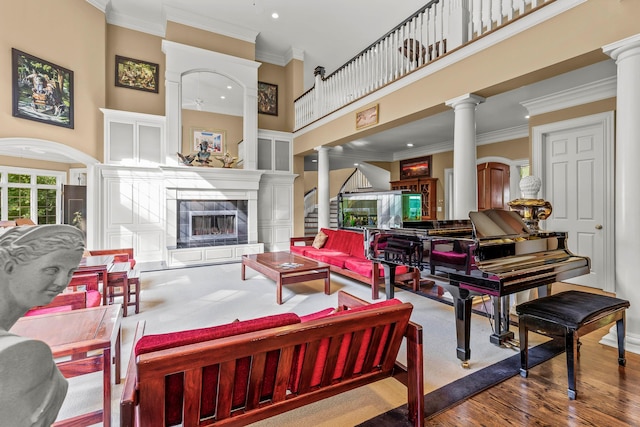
(344, 251)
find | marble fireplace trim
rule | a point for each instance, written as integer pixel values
(193, 183)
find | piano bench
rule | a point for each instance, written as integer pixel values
(570, 315)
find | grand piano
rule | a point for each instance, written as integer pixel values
(493, 253)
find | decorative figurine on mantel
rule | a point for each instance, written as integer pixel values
(227, 160)
(201, 156)
(530, 208)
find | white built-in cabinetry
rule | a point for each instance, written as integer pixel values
(275, 197)
(133, 138)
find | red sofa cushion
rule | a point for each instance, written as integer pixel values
(335, 260)
(316, 376)
(364, 267)
(298, 250)
(174, 384)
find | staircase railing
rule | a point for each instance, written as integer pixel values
(357, 182)
(310, 200)
(437, 28)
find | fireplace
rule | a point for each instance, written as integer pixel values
(211, 223)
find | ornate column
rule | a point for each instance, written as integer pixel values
(465, 177)
(626, 53)
(323, 187)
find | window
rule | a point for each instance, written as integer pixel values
(25, 193)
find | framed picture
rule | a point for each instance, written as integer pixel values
(413, 168)
(136, 74)
(367, 117)
(210, 140)
(42, 90)
(267, 98)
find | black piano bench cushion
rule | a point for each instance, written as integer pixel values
(571, 308)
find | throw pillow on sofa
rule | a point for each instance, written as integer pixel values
(320, 240)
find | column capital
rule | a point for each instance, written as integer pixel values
(614, 50)
(466, 99)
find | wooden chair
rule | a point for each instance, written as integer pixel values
(128, 251)
(117, 284)
(65, 301)
(89, 283)
(24, 221)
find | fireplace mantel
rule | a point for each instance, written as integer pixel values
(205, 183)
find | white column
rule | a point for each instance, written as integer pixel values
(173, 113)
(465, 176)
(323, 187)
(626, 53)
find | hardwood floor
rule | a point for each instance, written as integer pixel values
(608, 395)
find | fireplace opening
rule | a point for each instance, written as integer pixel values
(212, 223)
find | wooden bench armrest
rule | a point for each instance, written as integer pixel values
(346, 301)
(308, 240)
(129, 397)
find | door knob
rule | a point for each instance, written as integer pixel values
(598, 227)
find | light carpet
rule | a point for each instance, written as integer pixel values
(197, 297)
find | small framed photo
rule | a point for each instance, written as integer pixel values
(267, 98)
(418, 167)
(210, 140)
(42, 90)
(367, 117)
(137, 74)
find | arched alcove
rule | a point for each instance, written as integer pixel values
(183, 59)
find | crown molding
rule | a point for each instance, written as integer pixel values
(127, 21)
(583, 94)
(101, 5)
(503, 135)
(209, 24)
(270, 58)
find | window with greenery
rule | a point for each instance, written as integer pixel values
(34, 194)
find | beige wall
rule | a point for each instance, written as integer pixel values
(145, 47)
(274, 74)
(191, 36)
(68, 33)
(231, 125)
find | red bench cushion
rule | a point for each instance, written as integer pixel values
(174, 384)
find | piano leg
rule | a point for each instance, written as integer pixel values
(462, 301)
(389, 278)
(501, 332)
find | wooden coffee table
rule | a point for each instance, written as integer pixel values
(74, 333)
(286, 268)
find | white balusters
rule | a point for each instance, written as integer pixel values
(419, 40)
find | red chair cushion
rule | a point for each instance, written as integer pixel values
(94, 298)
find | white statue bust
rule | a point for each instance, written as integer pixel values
(530, 186)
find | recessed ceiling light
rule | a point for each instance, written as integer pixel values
(223, 97)
(355, 164)
(275, 15)
(229, 87)
(409, 144)
(314, 161)
(526, 117)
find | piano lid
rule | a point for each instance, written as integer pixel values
(494, 223)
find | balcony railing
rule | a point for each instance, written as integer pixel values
(437, 28)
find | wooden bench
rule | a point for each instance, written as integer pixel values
(237, 379)
(570, 315)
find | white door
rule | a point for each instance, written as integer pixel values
(575, 181)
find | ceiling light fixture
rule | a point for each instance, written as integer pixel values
(314, 161)
(275, 15)
(223, 97)
(409, 144)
